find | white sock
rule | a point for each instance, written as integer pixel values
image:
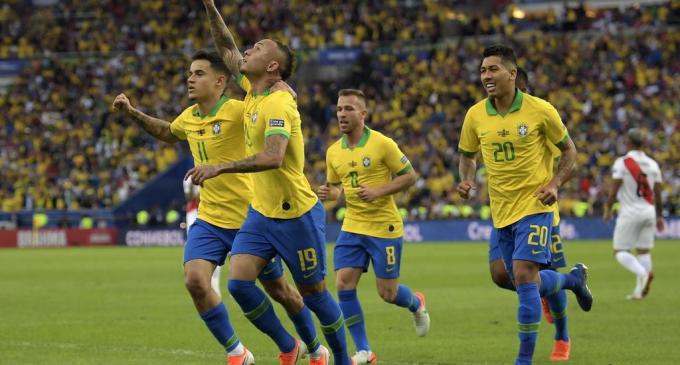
(238, 350)
(646, 260)
(629, 261)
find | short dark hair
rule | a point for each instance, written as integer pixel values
(506, 53)
(636, 137)
(356, 92)
(216, 61)
(286, 70)
(522, 79)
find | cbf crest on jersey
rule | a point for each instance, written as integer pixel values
(216, 127)
(523, 129)
(366, 161)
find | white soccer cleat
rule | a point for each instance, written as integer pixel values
(421, 317)
(365, 357)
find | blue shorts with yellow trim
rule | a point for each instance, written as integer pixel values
(209, 242)
(527, 239)
(357, 250)
(301, 242)
(557, 259)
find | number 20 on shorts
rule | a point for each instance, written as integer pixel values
(538, 236)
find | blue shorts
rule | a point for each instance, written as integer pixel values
(355, 250)
(526, 239)
(301, 242)
(212, 243)
(557, 259)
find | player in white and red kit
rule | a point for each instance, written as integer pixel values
(637, 186)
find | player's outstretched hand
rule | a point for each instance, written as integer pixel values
(464, 188)
(121, 103)
(200, 174)
(283, 86)
(324, 192)
(547, 194)
(368, 194)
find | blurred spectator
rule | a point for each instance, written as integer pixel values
(61, 148)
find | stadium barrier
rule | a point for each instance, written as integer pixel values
(479, 230)
(153, 237)
(26, 238)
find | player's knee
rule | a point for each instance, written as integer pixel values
(388, 294)
(344, 284)
(196, 285)
(499, 280)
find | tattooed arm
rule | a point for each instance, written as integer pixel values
(154, 126)
(224, 41)
(271, 158)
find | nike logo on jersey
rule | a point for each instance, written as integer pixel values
(536, 252)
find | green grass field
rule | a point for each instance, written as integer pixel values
(124, 305)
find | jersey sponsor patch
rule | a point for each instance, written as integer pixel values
(276, 123)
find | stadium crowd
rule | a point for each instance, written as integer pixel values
(61, 147)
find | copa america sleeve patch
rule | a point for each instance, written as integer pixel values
(276, 123)
(404, 159)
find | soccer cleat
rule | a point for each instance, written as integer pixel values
(641, 287)
(561, 351)
(421, 317)
(246, 358)
(583, 295)
(546, 310)
(293, 356)
(645, 289)
(320, 357)
(365, 357)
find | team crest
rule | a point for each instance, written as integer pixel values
(217, 126)
(254, 117)
(523, 129)
(366, 161)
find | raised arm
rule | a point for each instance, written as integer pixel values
(154, 126)
(224, 41)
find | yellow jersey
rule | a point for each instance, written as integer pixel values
(514, 151)
(282, 193)
(372, 162)
(216, 138)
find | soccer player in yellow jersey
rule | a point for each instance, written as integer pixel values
(554, 304)
(285, 217)
(512, 131)
(214, 130)
(362, 164)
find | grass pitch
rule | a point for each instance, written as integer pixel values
(121, 305)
